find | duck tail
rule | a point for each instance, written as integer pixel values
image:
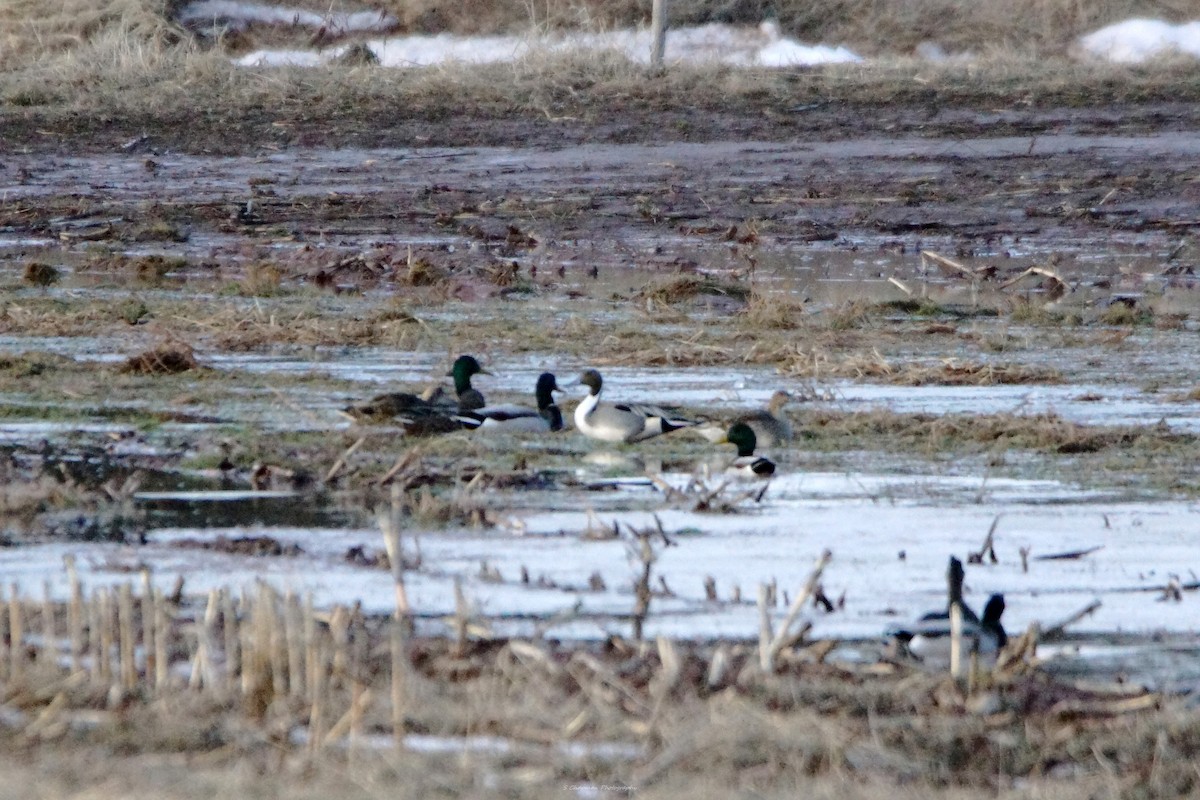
(468, 420)
(669, 425)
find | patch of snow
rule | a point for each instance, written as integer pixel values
(737, 46)
(1135, 41)
(1132, 41)
(288, 58)
(763, 45)
(443, 48)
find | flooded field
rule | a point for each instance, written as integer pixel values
(952, 298)
(990, 349)
(699, 275)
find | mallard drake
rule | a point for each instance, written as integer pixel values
(469, 398)
(747, 464)
(620, 422)
(546, 417)
(769, 424)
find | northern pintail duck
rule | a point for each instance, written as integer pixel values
(546, 417)
(769, 424)
(929, 636)
(747, 464)
(469, 398)
(620, 422)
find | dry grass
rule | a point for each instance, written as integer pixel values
(134, 63)
(673, 289)
(772, 311)
(281, 692)
(950, 432)
(31, 30)
(871, 28)
(165, 359)
(821, 364)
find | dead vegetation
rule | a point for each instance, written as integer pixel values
(167, 359)
(141, 67)
(773, 311)
(1042, 28)
(181, 689)
(39, 273)
(674, 289)
(942, 432)
(874, 366)
(148, 269)
(717, 494)
(265, 670)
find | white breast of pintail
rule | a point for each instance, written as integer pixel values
(620, 422)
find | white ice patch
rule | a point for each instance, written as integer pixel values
(1135, 41)
(287, 58)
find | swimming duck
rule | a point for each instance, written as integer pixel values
(769, 424)
(546, 417)
(469, 398)
(433, 400)
(929, 636)
(747, 464)
(620, 422)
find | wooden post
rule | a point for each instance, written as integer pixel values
(107, 636)
(126, 638)
(390, 521)
(146, 611)
(293, 621)
(311, 664)
(956, 629)
(246, 643)
(317, 677)
(75, 616)
(49, 628)
(275, 640)
(4, 635)
(399, 680)
(16, 632)
(231, 630)
(658, 32)
(162, 642)
(150, 638)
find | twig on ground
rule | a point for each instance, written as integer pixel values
(1059, 628)
(776, 643)
(1070, 555)
(341, 461)
(988, 548)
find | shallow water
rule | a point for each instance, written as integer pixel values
(890, 536)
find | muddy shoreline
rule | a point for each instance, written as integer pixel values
(258, 131)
